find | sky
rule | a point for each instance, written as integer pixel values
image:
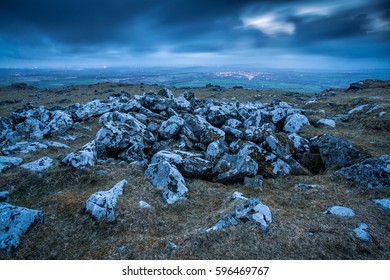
(325, 34)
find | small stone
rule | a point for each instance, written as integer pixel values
(102, 172)
(340, 211)
(7, 162)
(357, 109)
(383, 203)
(143, 204)
(361, 233)
(306, 186)
(238, 195)
(327, 122)
(256, 181)
(39, 165)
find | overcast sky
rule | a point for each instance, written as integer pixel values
(353, 34)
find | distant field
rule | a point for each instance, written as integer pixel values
(309, 81)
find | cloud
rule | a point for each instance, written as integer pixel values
(270, 24)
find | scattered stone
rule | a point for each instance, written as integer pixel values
(14, 222)
(373, 172)
(361, 233)
(27, 147)
(165, 176)
(102, 172)
(8, 162)
(238, 195)
(101, 205)
(143, 204)
(39, 165)
(327, 122)
(295, 122)
(357, 109)
(306, 186)
(340, 211)
(251, 210)
(86, 156)
(383, 203)
(337, 152)
(4, 196)
(70, 137)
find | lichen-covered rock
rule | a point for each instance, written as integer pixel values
(383, 203)
(86, 156)
(337, 152)
(294, 123)
(234, 168)
(278, 114)
(217, 115)
(256, 181)
(340, 211)
(39, 165)
(165, 176)
(202, 129)
(215, 150)
(171, 127)
(14, 222)
(373, 172)
(93, 108)
(60, 122)
(157, 101)
(251, 210)
(25, 147)
(102, 205)
(280, 145)
(8, 162)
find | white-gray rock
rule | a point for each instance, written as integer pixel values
(39, 165)
(7, 162)
(294, 123)
(306, 186)
(145, 205)
(102, 205)
(238, 195)
(14, 222)
(165, 176)
(357, 109)
(361, 233)
(340, 211)
(171, 127)
(383, 203)
(256, 181)
(86, 156)
(60, 122)
(327, 122)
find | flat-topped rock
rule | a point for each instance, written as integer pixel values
(39, 165)
(340, 211)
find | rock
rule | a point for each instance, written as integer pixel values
(256, 181)
(306, 186)
(202, 129)
(357, 109)
(14, 222)
(361, 233)
(251, 210)
(215, 150)
(373, 173)
(27, 147)
(60, 122)
(70, 137)
(238, 195)
(133, 154)
(278, 114)
(383, 203)
(4, 196)
(102, 172)
(234, 168)
(280, 145)
(181, 103)
(340, 211)
(156, 102)
(39, 165)
(167, 93)
(232, 133)
(218, 115)
(84, 111)
(86, 156)
(294, 123)
(8, 162)
(145, 205)
(171, 127)
(337, 152)
(164, 175)
(101, 205)
(301, 145)
(327, 122)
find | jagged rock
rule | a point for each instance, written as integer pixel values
(14, 222)
(181, 103)
(255, 119)
(327, 122)
(217, 115)
(280, 145)
(301, 145)
(39, 165)
(215, 150)
(145, 205)
(337, 152)
(84, 111)
(232, 133)
(373, 172)
(4, 196)
(171, 127)
(294, 123)
(5, 129)
(165, 176)
(59, 122)
(233, 123)
(86, 156)
(156, 101)
(70, 137)
(27, 147)
(278, 114)
(7, 162)
(383, 203)
(101, 205)
(202, 129)
(256, 181)
(134, 153)
(251, 210)
(167, 93)
(340, 211)
(361, 233)
(234, 168)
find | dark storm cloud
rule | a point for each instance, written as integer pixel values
(93, 28)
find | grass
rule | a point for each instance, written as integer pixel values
(299, 229)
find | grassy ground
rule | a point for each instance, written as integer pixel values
(299, 229)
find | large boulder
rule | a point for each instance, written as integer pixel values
(102, 205)
(171, 127)
(373, 172)
(202, 129)
(234, 168)
(218, 115)
(340, 211)
(85, 157)
(251, 210)
(93, 108)
(60, 122)
(337, 152)
(7, 162)
(164, 175)
(14, 222)
(295, 122)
